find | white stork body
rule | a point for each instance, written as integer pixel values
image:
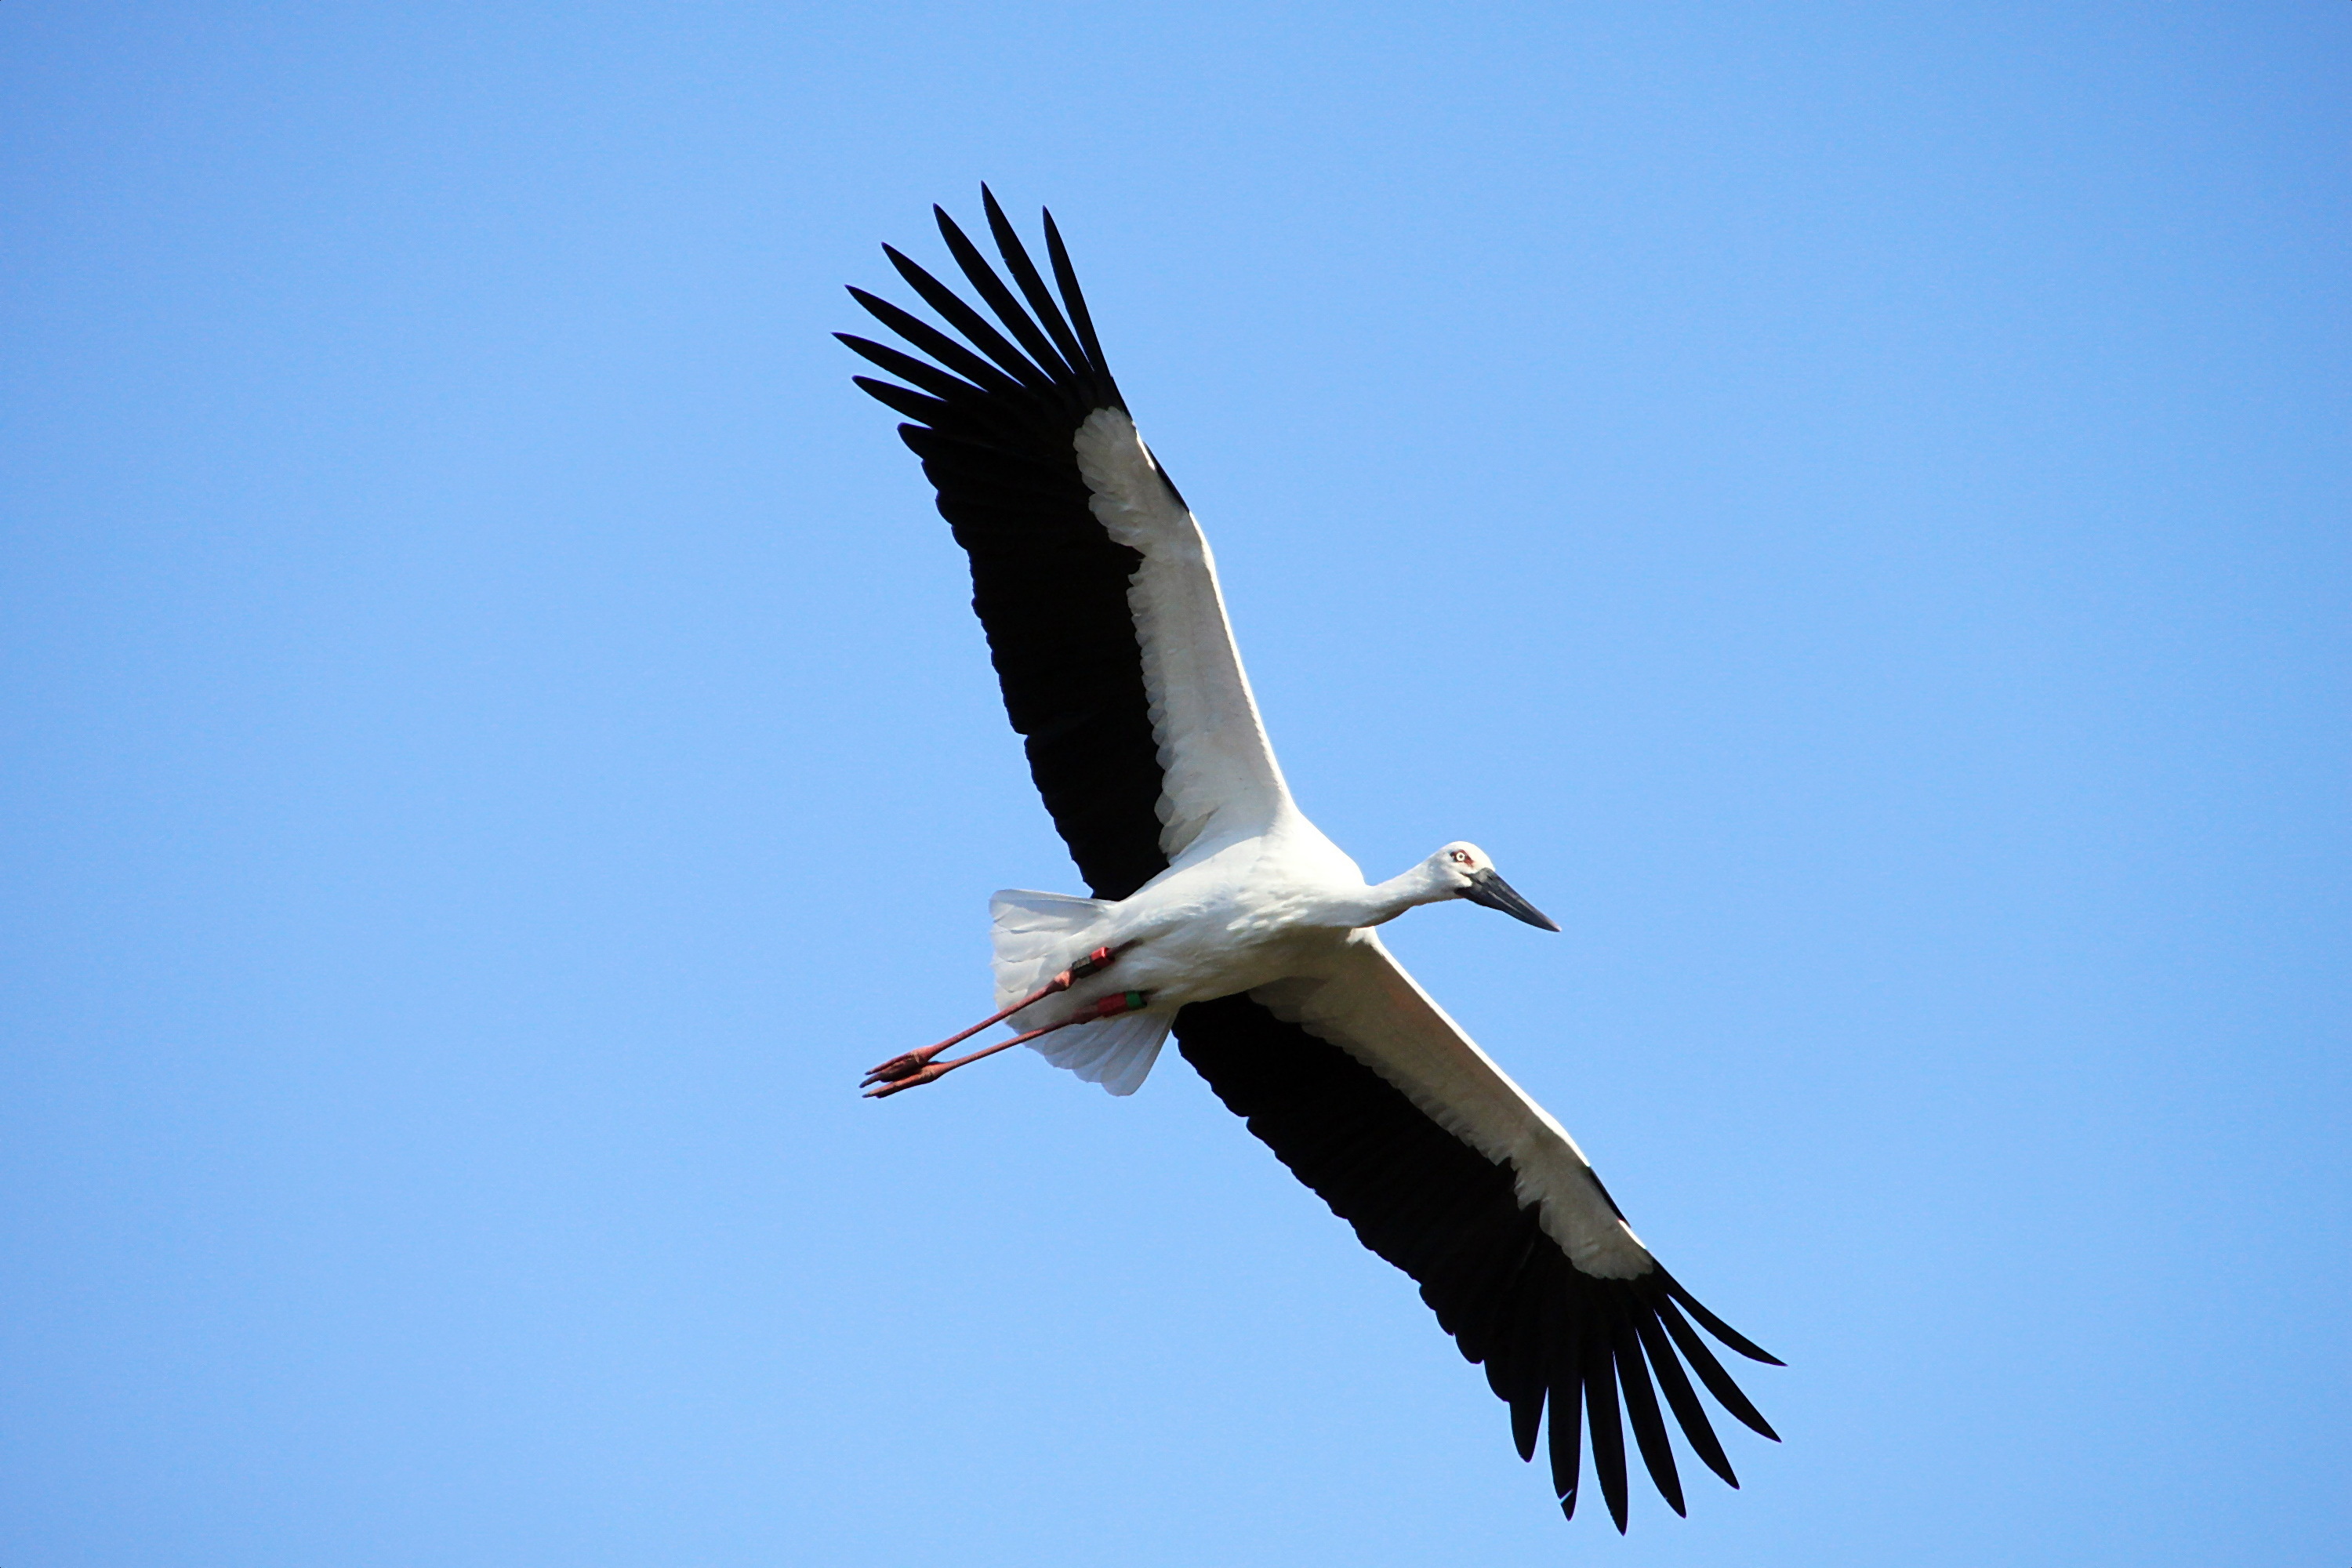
(1234, 921)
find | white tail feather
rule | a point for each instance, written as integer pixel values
(1116, 1052)
(1037, 936)
(1034, 937)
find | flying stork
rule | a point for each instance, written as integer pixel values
(1220, 913)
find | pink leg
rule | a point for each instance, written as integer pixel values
(899, 1068)
(930, 1071)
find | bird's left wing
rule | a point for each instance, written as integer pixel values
(1376, 1099)
(1089, 574)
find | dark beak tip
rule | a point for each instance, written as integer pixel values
(1496, 894)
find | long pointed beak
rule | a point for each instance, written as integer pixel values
(1487, 888)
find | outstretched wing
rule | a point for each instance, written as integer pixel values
(1376, 1099)
(1089, 574)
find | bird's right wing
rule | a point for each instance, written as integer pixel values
(1089, 574)
(1376, 1099)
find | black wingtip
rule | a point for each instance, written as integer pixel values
(1527, 1421)
(1710, 1372)
(1073, 298)
(1640, 1400)
(1602, 1422)
(993, 209)
(1714, 1325)
(1666, 1368)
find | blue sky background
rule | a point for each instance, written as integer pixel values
(1847, 502)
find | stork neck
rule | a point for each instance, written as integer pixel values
(1383, 901)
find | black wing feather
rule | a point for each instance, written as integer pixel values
(1567, 1411)
(1066, 276)
(992, 288)
(1715, 1325)
(913, 405)
(1601, 1420)
(1550, 1335)
(907, 367)
(970, 323)
(1697, 1430)
(1642, 1405)
(1710, 1372)
(1032, 287)
(985, 377)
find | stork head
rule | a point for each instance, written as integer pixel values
(1465, 871)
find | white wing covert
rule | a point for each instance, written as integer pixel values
(1220, 780)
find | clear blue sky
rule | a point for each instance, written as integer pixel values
(1847, 503)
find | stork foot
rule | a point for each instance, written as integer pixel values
(913, 1078)
(900, 1068)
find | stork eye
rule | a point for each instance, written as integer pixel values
(1462, 857)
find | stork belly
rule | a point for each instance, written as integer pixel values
(1179, 969)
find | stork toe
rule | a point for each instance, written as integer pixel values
(900, 1068)
(913, 1078)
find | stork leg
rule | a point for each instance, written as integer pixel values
(899, 1068)
(930, 1071)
